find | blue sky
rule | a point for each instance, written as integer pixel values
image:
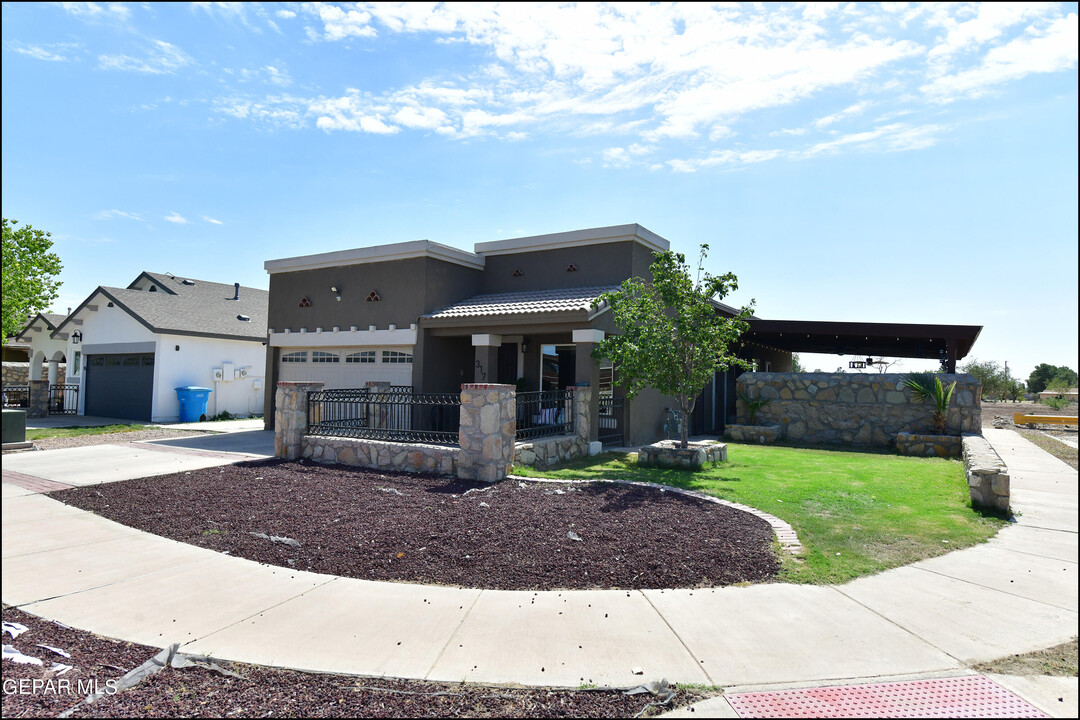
(893, 163)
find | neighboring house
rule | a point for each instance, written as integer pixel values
(432, 317)
(47, 355)
(130, 348)
(1070, 394)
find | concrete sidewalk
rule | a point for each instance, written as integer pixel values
(1015, 594)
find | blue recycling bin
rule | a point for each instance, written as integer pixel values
(192, 402)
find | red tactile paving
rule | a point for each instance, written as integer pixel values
(36, 484)
(962, 697)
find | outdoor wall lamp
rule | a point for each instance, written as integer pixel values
(337, 293)
(524, 344)
(76, 337)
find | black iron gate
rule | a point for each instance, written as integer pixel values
(63, 399)
(612, 420)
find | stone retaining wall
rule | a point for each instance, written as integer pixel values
(987, 476)
(550, 450)
(381, 455)
(486, 431)
(18, 373)
(853, 408)
(922, 445)
(667, 453)
(762, 434)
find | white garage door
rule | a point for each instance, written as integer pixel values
(347, 367)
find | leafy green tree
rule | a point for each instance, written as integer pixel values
(29, 269)
(1044, 373)
(671, 336)
(1064, 379)
(991, 375)
(1013, 388)
(796, 363)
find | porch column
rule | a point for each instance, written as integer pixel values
(588, 371)
(487, 357)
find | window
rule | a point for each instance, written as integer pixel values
(147, 360)
(111, 361)
(131, 362)
(294, 357)
(393, 356)
(319, 356)
(97, 361)
(77, 364)
(364, 356)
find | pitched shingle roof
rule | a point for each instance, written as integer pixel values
(193, 307)
(521, 303)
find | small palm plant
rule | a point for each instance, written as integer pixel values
(927, 386)
(753, 405)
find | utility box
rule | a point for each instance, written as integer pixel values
(192, 402)
(14, 426)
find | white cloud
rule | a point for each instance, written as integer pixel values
(847, 112)
(111, 214)
(676, 76)
(177, 218)
(1052, 50)
(55, 52)
(285, 14)
(96, 11)
(210, 220)
(161, 58)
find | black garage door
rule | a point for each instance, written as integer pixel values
(120, 386)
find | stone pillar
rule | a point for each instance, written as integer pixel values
(486, 367)
(486, 432)
(588, 371)
(585, 420)
(38, 406)
(291, 418)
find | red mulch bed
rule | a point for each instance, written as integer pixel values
(196, 692)
(432, 530)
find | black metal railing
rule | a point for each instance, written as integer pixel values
(384, 414)
(63, 399)
(16, 396)
(611, 420)
(544, 413)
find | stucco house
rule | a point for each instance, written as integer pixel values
(129, 348)
(431, 317)
(46, 354)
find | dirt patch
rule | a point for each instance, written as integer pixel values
(409, 528)
(1066, 453)
(1060, 660)
(992, 410)
(263, 692)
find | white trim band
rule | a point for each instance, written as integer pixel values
(344, 338)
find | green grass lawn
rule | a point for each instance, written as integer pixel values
(63, 432)
(855, 513)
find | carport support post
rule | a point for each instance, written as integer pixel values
(588, 371)
(291, 418)
(38, 406)
(486, 367)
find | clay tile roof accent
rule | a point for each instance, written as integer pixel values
(527, 302)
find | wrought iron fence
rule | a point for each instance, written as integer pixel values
(385, 414)
(612, 420)
(63, 399)
(16, 396)
(544, 413)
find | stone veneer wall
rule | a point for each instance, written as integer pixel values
(556, 449)
(38, 406)
(290, 418)
(852, 407)
(18, 373)
(987, 476)
(382, 455)
(926, 445)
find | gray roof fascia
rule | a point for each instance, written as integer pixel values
(533, 318)
(575, 238)
(151, 278)
(30, 323)
(376, 254)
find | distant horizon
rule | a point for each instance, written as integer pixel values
(875, 163)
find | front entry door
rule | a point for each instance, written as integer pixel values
(508, 364)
